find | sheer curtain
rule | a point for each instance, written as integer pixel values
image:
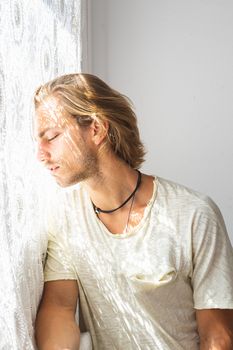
(38, 41)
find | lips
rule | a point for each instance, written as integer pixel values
(53, 168)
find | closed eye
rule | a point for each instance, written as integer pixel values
(52, 138)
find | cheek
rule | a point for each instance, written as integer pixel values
(71, 144)
(69, 151)
(69, 154)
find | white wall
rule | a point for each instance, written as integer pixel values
(174, 59)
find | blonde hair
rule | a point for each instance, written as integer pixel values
(85, 97)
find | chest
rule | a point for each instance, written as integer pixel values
(122, 221)
(152, 253)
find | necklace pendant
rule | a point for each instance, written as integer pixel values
(97, 210)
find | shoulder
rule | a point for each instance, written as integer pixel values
(61, 208)
(64, 198)
(196, 221)
(186, 202)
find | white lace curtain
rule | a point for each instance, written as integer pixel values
(38, 41)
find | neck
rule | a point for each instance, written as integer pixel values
(99, 210)
(112, 184)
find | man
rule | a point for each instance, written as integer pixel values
(152, 258)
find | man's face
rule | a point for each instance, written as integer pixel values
(63, 148)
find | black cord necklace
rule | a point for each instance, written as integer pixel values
(98, 210)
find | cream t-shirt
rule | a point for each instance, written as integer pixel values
(139, 290)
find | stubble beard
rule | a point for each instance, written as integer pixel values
(89, 168)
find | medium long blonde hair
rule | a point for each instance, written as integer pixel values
(84, 96)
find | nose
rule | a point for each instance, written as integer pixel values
(42, 154)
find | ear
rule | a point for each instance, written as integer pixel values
(99, 130)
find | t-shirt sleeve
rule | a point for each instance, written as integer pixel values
(58, 264)
(212, 270)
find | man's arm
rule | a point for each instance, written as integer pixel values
(56, 328)
(215, 327)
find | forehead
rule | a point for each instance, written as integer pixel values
(50, 113)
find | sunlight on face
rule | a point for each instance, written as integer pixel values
(62, 146)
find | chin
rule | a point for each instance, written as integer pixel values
(66, 183)
(72, 180)
(62, 183)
